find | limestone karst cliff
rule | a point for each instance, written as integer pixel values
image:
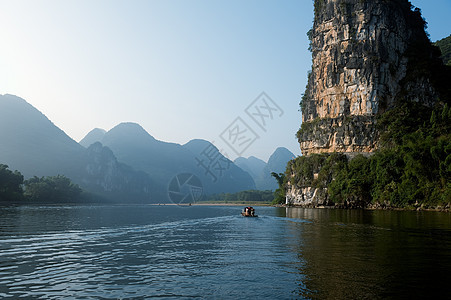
(377, 87)
(361, 52)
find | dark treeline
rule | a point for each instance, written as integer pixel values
(244, 196)
(445, 47)
(52, 189)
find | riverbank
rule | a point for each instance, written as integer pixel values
(228, 203)
(446, 208)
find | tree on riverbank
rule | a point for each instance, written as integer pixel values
(10, 184)
(242, 197)
(51, 189)
(279, 194)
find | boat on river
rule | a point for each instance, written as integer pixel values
(248, 212)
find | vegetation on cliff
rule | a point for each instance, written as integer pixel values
(408, 137)
(445, 47)
(279, 193)
(412, 168)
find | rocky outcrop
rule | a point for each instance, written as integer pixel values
(105, 175)
(348, 134)
(307, 196)
(308, 178)
(360, 62)
(367, 57)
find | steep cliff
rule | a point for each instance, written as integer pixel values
(106, 176)
(361, 55)
(377, 86)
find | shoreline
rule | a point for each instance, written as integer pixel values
(444, 209)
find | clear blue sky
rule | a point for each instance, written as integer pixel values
(183, 69)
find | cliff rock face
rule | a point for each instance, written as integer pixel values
(367, 58)
(360, 59)
(105, 175)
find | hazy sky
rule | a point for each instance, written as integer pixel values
(183, 69)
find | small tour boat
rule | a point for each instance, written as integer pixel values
(248, 212)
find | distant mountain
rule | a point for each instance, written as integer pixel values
(95, 135)
(254, 166)
(136, 147)
(105, 175)
(261, 171)
(163, 161)
(33, 145)
(220, 172)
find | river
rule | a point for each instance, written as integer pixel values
(211, 252)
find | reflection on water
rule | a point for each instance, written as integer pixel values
(142, 251)
(374, 254)
(212, 252)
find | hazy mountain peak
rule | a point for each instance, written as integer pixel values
(128, 132)
(280, 155)
(95, 135)
(12, 105)
(198, 145)
(282, 151)
(198, 142)
(20, 121)
(261, 171)
(30, 142)
(129, 126)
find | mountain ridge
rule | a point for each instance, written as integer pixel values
(164, 160)
(261, 171)
(35, 146)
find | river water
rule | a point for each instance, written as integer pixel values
(211, 252)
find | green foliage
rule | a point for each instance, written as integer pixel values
(305, 96)
(414, 170)
(307, 127)
(445, 47)
(412, 167)
(10, 184)
(318, 5)
(352, 183)
(243, 197)
(310, 38)
(279, 194)
(325, 166)
(405, 118)
(45, 189)
(51, 189)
